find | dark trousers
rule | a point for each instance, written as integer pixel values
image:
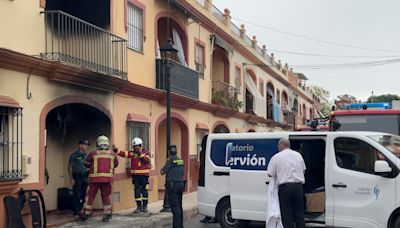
(141, 187)
(291, 201)
(175, 191)
(79, 189)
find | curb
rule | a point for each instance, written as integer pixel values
(167, 219)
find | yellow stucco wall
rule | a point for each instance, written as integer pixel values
(26, 34)
(22, 26)
(13, 84)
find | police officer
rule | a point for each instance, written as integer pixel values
(174, 170)
(78, 175)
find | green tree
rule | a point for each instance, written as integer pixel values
(323, 94)
(383, 98)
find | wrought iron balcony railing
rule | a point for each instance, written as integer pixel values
(184, 81)
(225, 95)
(72, 40)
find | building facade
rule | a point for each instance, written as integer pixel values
(71, 69)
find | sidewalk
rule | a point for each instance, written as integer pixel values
(125, 219)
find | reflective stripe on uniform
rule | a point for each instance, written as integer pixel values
(139, 199)
(101, 175)
(141, 171)
(178, 162)
(95, 168)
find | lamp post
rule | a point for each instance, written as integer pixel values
(167, 51)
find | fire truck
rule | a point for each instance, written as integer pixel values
(379, 117)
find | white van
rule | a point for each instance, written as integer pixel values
(356, 171)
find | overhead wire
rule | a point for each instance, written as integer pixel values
(315, 39)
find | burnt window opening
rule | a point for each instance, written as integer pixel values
(10, 143)
(94, 12)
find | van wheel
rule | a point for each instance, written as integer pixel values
(396, 222)
(224, 216)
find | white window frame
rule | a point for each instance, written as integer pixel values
(200, 66)
(135, 23)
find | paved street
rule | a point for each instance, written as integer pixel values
(194, 223)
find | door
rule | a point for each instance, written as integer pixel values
(248, 159)
(361, 198)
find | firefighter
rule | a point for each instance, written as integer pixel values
(140, 172)
(101, 164)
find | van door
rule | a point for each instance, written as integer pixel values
(248, 159)
(361, 198)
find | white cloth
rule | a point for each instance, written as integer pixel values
(260, 104)
(288, 167)
(273, 209)
(179, 46)
(158, 50)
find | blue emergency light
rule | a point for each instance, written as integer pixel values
(383, 105)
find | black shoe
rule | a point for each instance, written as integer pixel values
(165, 210)
(138, 209)
(84, 217)
(205, 220)
(213, 220)
(106, 218)
(144, 209)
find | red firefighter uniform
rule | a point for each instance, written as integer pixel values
(140, 172)
(101, 164)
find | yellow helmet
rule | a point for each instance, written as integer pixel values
(103, 142)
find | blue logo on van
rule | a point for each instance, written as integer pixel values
(376, 192)
(247, 154)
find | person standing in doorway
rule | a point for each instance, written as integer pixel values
(101, 164)
(78, 175)
(174, 171)
(140, 172)
(288, 168)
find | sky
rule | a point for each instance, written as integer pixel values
(359, 34)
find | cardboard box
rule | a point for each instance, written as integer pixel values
(315, 202)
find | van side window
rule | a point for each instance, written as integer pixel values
(355, 154)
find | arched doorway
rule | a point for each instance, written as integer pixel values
(311, 114)
(220, 66)
(270, 98)
(65, 125)
(251, 89)
(176, 33)
(295, 105)
(221, 128)
(180, 138)
(285, 101)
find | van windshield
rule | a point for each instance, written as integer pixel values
(390, 142)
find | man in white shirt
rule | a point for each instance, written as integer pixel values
(288, 168)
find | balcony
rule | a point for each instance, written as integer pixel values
(225, 95)
(71, 40)
(184, 81)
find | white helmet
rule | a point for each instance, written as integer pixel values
(137, 142)
(103, 142)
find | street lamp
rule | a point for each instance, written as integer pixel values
(167, 52)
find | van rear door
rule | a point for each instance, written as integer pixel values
(248, 160)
